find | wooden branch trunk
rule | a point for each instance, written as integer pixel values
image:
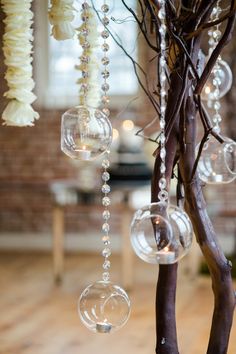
(181, 116)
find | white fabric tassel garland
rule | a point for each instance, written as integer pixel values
(17, 49)
(61, 14)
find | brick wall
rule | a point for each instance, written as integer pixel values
(30, 158)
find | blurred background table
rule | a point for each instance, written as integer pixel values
(68, 193)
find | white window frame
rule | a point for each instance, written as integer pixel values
(41, 68)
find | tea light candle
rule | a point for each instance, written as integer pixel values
(165, 256)
(84, 154)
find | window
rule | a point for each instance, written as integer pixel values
(55, 60)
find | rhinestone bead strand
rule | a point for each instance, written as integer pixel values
(106, 201)
(214, 36)
(84, 59)
(163, 194)
(105, 60)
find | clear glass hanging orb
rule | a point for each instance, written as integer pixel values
(86, 133)
(104, 307)
(230, 156)
(182, 231)
(161, 234)
(218, 83)
(217, 162)
(151, 232)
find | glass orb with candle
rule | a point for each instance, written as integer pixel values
(151, 233)
(104, 307)
(217, 161)
(161, 234)
(218, 83)
(86, 133)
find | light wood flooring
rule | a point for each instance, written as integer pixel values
(37, 317)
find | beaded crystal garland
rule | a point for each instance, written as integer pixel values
(161, 233)
(103, 306)
(217, 162)
(86, 132)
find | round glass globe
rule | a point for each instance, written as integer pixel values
(218, 83)
(86, 133)
(161, 234)
(151, 232)
(104, 307)
(217, 163)
(230, 156)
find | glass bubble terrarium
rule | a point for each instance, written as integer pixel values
(104, 307)
(86, 133)
(217, 161)
(218, 83)
(161, 234)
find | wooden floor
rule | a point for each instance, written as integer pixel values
(37, 317)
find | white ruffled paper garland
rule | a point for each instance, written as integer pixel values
(17, 49)
(93, 96)
(61, 14)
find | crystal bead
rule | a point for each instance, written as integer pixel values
(84, 31)
(84, 17)
(105, 8)
(105, 21)
(105, 87)
(163, 196)
(163, 45)
(216, 81)
(217, 118)
(105, 99)
(163, 109)
(106, 176)
(106, 201)
(105, 61)
(216, 34)
(217, 105)
(106, 252)
(161, 14)
(163, 153)
(105, 74)
(105, 227)
(106, 215)
(162, 124)
(106, 240)
(105, 47)
(106, 188)
(163, 168)
(106, 276)
(106, 111)
(107, 264)
(162, 61)
(163, 93)
(162, 183)
(162, 139)
(163, 29)
(86, 45)
(211, 41)
(162, 77)
(84, 87)
(105, 34)
(84, 59)
(85, 74)
(105, 163)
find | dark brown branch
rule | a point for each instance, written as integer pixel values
(220, 269)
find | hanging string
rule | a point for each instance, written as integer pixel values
(163, 193)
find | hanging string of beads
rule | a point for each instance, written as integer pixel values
(105, 163)
(163, 194)
(104, 306)
(216, 164)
